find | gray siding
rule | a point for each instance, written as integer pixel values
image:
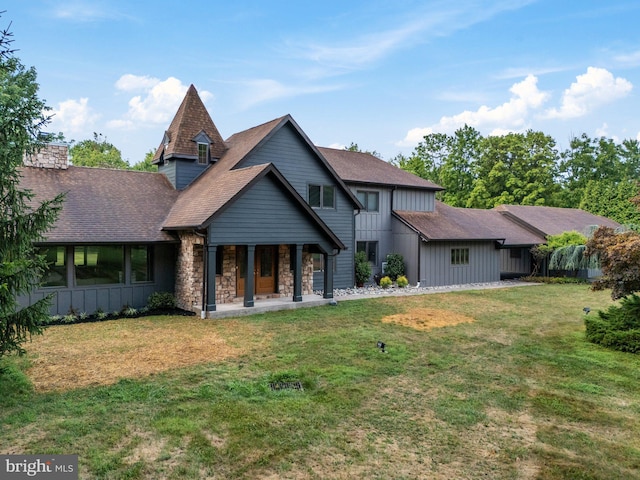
(265, 215)
(414, 200)
(181, 172)
(110, 298)
(436, 268)
(510, 267)
(300, 166)
(376, 226)
(407, 243)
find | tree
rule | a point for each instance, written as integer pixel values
(97, 153)
(22, 117)
(355, 148)
(515, 169)
(146, 165)
(612, 200)
(619, 255)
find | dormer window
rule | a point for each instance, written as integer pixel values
(204, 147)
(203, 153)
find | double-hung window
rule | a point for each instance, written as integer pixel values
(322, 196)
(370, 200)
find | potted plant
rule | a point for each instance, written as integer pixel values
(362, 268)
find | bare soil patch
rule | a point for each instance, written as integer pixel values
(427, 318)
(74, 356)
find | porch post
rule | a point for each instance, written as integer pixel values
(210, 268)
(328, 275)
(297, 274)
(250, 280)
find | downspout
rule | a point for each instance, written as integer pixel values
(205, 268)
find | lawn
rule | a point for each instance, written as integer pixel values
(495, 384)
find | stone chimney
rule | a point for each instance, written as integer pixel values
(51, 155)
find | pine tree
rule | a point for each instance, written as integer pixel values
(22, 220)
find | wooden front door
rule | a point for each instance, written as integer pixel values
(265, 269)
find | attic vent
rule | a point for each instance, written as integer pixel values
(297, 385)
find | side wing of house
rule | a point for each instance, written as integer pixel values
(308, 173)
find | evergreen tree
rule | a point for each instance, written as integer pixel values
(22, 221)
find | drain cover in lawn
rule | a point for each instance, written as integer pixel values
(286, 385)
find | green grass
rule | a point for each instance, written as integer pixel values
(518, 393)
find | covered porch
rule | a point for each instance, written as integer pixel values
(225, 277)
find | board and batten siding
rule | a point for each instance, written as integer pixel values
(375, 226)
(414, 200)
(511, 266)
(436, 268)
(300, 165)
(110, 298)
(406, 242)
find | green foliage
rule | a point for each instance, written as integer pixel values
(612, 199)
(402, 281)
(23, 221)
(619, 256)
(386, 282)
(161, 300)
(395, 265)
(362, 268)
(97, 153)
(565, 239)
(618, 327)
(146, 165)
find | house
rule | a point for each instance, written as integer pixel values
(264, 213)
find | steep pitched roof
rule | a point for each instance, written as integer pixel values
(104, 205)
(207, 198)
(191, 119)
(545, 221)
(359, 167)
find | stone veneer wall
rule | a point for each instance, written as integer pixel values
(51, 155)
(190, 270)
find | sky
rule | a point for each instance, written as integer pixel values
(378, 73)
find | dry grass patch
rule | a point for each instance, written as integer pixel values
(427, 318)
(73, 356)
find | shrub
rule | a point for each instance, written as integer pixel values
(386, 282)
(395, 266)
(161, 300)
(362, 268)
(402, 281)
(618, 327)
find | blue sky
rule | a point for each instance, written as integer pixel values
(378, 73)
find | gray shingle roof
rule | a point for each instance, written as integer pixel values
(360, 167)
(104, 205)
(553, 220)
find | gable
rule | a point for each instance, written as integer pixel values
(286, 147)
(267, 213)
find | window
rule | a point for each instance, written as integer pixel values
(56, 258)
(203, 153)
(141, 263)
(370, 200)
(318, 262)
(515, 253)
(322, 196)
(99, 264)
(371, 249)
(459, 256)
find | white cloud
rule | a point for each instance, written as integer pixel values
(510, 116)
(264, 90)
(73, 117)
(628, 59)
(158, 103)
(86, 11)
(590, 90)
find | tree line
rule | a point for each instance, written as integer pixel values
(598, 175)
